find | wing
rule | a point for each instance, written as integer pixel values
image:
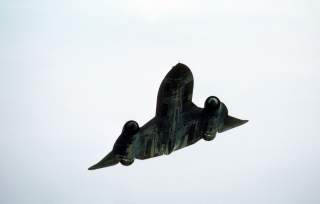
(175, 91)
(148, 143)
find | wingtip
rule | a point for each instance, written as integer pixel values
(107, 161)
(244, 121)
(92, 167)
(232, 122)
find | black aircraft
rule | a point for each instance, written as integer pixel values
(178, 123)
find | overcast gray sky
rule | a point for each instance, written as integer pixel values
(72, 72)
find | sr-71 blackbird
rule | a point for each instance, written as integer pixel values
(178, 123)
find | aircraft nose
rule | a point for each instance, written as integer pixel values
(178, 71)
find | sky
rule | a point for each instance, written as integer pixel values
(73, 72)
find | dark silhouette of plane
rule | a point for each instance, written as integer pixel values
(178, 123)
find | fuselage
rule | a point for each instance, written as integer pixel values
(149, 141)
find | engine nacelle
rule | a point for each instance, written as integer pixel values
(123, 147)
